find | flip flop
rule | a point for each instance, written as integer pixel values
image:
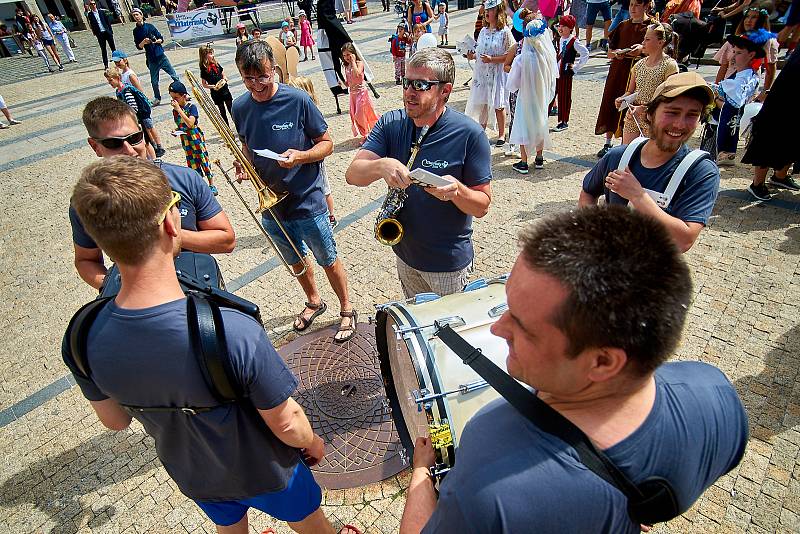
(352, 329)
(305, 323)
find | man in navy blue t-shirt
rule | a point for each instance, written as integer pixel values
(113, 130)
(673, 115)
(597, 301)
(147, 37)
(286, 121)
(227, 457)
(435, 253)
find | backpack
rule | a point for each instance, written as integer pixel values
(206, 335)
(141, 102)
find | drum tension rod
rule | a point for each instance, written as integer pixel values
(422, 397)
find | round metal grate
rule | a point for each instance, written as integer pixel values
(341, 391)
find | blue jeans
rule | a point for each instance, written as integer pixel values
(313, 233)
(621, 16)
(157, 65)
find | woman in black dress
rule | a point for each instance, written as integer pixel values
(771, 145)
(214, 79)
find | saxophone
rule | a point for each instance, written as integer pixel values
(388, 230)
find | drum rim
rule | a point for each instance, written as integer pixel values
(388, 377)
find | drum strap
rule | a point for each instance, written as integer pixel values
(650, 502)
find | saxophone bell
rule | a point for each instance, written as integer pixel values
(388, 230)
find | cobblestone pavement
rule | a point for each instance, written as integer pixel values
(62, 472)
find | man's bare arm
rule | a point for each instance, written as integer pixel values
(89, 264)
(213, 236)
(111, 414)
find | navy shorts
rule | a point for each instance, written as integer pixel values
(313, 233)
(604, 8)
(300, 499)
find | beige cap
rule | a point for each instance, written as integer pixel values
(679, 83)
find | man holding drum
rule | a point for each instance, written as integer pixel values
(435, 253)
(591, 321)
(113, 130)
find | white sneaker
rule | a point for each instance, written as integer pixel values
(510, 149)
(3, 126)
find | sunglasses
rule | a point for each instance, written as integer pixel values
(114, 143)
(420, 85)
(176, 201)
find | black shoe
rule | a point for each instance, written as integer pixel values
(561, 126)
(604, 44)
(604, 150)
(397, 82)
(786, 183)
(760, 192)
(521, 167)
(500, 142)
(538, 163)
(160, 151)
(553, 112)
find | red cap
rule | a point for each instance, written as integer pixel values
(567, 20)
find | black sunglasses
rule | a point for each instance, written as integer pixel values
(420, 85)
(114, 143)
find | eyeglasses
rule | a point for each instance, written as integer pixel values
(261, 80)
(420, 85)
(114, 143)
(176, 199)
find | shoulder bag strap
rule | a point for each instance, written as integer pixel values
(207, 336)
(677, 177)
(78, 331)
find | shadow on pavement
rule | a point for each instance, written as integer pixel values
(55, 484)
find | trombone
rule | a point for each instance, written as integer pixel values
(266, 197)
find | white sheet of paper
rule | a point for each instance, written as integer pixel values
(427, 178)
(267, 153)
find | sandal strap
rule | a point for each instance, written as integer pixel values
(349, 313)
(312, 306)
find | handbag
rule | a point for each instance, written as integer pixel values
(72, 43)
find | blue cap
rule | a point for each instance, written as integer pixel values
(284, 24)
(178, 87)
(118, 54)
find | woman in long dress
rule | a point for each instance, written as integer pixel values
(624, 46)
(488, 95)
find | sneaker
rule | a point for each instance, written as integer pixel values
(500, 142)
(510, 150)
(603, 151)
(214, 190)
(726, 159)
(521, 167)
(4, 126)
(538, 163)
(156, 102)
(397, 81)
(553, 112)
(561, 126)
(760, 192)
(604, 44)
(333, 221)
(14, 122)
(786, 183)
(160, 151)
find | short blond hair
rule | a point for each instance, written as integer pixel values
(112, 72)
(119, 200)
(305, 84)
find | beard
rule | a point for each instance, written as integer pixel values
(418, 109)
(665, 142)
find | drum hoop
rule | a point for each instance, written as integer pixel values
(388, 377)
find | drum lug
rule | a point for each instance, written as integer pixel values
(422, 298)
(453, 322)
(480, 283)
(498, 310)
(502, 279)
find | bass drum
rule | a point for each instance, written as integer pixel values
(431, 391)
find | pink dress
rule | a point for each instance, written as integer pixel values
(305, 34)
(362, 114)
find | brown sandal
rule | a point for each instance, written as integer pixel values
(351, 329)
(305, 323)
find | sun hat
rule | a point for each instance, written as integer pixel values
(679, 83)
(118, 55)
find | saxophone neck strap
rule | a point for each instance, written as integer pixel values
(423, 133)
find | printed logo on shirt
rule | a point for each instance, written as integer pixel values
(184, 212)
(284, 126)
(438, 164)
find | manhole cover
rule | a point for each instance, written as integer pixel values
(341, 391)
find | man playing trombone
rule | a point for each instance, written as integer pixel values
(285, 121)
(434, 251)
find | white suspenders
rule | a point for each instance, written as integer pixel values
(663, 199)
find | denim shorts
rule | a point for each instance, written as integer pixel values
(300, 499)
(147, 123)
(592, 9)
(313, 233)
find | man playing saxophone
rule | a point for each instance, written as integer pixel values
(285, 120)
(435, 253)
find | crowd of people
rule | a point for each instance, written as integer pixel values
(577, 329)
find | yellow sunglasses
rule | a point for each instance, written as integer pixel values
(176, 198)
